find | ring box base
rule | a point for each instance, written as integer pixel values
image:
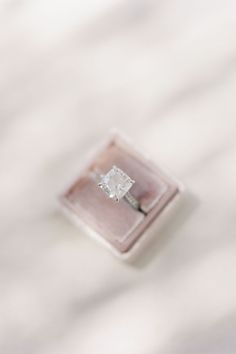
(117, 225)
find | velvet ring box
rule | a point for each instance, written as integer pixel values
(119, 226)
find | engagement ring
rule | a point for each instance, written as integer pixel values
(116, 185)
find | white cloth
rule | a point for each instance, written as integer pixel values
(164, 73)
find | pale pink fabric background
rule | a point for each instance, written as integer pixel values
(165, 73)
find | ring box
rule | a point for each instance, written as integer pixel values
(119, 226)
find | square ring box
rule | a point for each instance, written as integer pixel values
(118, 225)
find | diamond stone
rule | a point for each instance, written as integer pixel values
(116, 183)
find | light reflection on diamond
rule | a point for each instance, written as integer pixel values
(116, 183)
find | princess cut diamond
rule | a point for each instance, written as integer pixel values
(116, 183)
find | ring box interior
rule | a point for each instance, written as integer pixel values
(117, 224)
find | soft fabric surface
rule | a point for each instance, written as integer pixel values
(164, 72)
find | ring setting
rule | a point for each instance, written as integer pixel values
(116, 183)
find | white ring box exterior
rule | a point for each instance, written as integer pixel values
(118, 226)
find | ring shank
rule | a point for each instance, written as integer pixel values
(132, 201)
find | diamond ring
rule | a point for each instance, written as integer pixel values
(116, 185)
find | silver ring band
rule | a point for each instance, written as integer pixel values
(132, 201)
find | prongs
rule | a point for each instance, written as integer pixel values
(115, 183)
(116, 199)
